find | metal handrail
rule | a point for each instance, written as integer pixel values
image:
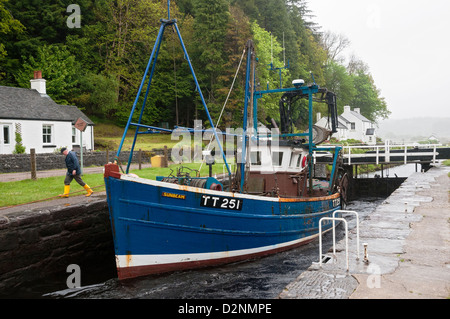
(387, 151)
(334, 219)
(357, 229)
(320, 237)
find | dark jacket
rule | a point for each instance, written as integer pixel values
(72, 163)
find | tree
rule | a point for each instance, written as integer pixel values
(210, 30)
(339, 81)
(96, 94)
(8, 27)
(58, 67)
(367, 96)
(266, 45)
(334, 44)
(238, 33)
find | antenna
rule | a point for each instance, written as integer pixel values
(312, 75)
(271, 49)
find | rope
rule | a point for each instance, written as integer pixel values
(226, 101)
(46, 199)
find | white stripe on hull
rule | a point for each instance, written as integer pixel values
(124, 261)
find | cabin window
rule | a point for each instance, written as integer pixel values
(293, 159)
(47, 133)
(255, 158)
(277, 158)
(299, 161)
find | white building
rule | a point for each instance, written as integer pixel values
(42, 124)
(351, 125)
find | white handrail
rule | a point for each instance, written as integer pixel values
(357, 228)
(320, 237)
(387, 151)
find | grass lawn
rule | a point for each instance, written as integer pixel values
(108, 136)
(26, 191)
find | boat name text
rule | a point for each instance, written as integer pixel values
(171, 195)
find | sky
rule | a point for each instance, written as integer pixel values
(406, 44)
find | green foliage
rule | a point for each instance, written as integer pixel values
(99, 67)
(97, 94)
(268, 51)
(367, 97)
(58, 67)
(19, 148)
(8, 28)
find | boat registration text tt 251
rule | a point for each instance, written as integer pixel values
(221, 202)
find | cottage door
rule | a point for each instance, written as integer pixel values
(5, 138)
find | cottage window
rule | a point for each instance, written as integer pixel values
(74, 135)
(47, 132)
(6, 135)
(353, 126)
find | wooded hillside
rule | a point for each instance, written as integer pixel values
(98, 66)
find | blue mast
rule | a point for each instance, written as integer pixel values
(152, 63)
(248, 96)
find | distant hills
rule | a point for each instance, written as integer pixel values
(415, 129)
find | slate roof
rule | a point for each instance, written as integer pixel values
(27, 104)
(358, 115)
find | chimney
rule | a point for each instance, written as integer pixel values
(357, 110)
(38, 83)
(319, 116)
(346, 108)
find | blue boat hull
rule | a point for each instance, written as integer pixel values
(161, 227)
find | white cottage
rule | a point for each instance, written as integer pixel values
(42, 124)
(352, 125)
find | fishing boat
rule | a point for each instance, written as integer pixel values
(270, 202)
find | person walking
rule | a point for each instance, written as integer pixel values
(73, 172)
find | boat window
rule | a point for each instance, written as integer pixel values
(277, 158)
(255, 158)
(298, 161)
(293, 159)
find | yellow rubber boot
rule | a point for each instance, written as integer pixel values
(66, 191)
(88, 189)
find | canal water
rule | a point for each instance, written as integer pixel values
(262, 278)
(396, 171)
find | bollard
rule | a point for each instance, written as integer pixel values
(140, 159)
(33, 163)
(366, 255)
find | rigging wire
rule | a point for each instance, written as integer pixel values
(223, 108)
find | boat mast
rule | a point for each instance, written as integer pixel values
(247, 122)
(152, 63)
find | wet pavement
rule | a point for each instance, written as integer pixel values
(408, 249)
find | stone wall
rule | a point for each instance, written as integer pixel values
(39, 245)
(10, 163)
